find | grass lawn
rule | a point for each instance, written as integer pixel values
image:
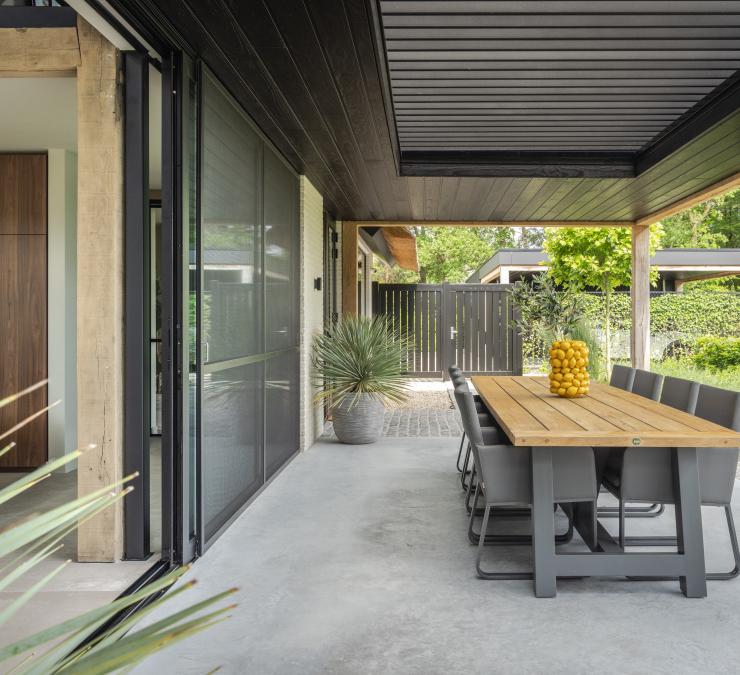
(727, 379)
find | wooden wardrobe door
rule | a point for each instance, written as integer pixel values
(23, 299)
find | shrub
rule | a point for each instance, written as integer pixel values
(717, 354)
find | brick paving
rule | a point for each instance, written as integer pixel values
(435, 416)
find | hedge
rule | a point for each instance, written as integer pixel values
(717, 354)
(693, 314)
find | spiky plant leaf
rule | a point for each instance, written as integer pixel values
(360, 356)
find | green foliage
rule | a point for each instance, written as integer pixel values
(711, 224)
(596, 367)
(717, 354)
(449, 254)
(548, 311)
(687, 369)
(360, 356)
(692, 314)
(56, 649)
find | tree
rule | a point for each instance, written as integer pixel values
(714, 223)
(600, 258)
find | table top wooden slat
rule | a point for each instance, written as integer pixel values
(608, 417)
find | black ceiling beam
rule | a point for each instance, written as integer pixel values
(721, 103)
(38, 17)
(555, 164)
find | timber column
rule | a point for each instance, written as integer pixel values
(640, 296)
(99, 286)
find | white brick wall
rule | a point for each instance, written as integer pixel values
(312, 304)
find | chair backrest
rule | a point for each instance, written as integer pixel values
(679, 393)
(647, 384)
(622, 377)
(457, 376)
(717, 466)
(468, 414)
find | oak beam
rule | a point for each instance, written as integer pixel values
(100, 258)
(349, 267)
(38, 50)
(640, 295)
(493, 223)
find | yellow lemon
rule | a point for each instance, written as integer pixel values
(569, 352)
(556, 363)
(557, 377)
(561, 391)
(568, 377)
(561, 354)
(581, 390)
(572, 391)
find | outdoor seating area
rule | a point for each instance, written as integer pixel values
(643, 438)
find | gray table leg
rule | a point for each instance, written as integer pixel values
(543, 523)
(688, 522)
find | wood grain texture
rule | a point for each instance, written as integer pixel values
(609, 417)
(307, 74)
(23, 344)
(23, 194)
(640, 296)
(34, 50)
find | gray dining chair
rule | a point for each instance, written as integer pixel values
(643, 383)
(622, 377)
(482, 433)
(645, 474)
(485, 418)
(646, 383)
(504, 480)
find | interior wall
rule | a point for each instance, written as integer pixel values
(312, 304)
(62, 293)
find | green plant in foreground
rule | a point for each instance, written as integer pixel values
(57, 649)
(717, 354)
(358, 356)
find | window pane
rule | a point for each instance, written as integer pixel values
(231, 187)
(281, 254)
(281, 401)
(232, 441)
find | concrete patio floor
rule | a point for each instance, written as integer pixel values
(355, 560)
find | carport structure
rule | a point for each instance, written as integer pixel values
(490, 112)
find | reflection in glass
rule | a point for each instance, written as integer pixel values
(232, 439)
(281, 410)
(232, 277)
(281, 217)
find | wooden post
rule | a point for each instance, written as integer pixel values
(99, 287)
(640, 294)
(349, 267)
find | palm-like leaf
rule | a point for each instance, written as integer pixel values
(38, 538)
(360, 356)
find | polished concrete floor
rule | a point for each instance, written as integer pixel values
(355, 560)
(79, 586)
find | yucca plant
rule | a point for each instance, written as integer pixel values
(357, 368)
(59, 649)
(360, 355)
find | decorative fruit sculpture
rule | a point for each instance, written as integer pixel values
(569, 368)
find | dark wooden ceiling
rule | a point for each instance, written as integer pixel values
(312, 77)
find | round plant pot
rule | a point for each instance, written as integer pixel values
(358, 420)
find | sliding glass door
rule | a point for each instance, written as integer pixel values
(247, 266)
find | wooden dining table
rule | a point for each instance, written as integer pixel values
(538, 421)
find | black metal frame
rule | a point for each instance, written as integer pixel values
(137, 350)
(38, 17)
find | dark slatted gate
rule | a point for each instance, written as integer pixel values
(470, 325)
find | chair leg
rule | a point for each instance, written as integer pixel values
(494, 576)
(724, 576)
(466, 463)
(651, 511)
(621, 523)
(459, 452)
(470, 487)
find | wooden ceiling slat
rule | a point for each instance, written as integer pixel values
(514, 65)
(545, 7)
(687, 31)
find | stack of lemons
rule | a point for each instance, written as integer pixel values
(569, 368)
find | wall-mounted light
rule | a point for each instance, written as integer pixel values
(317, 284)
